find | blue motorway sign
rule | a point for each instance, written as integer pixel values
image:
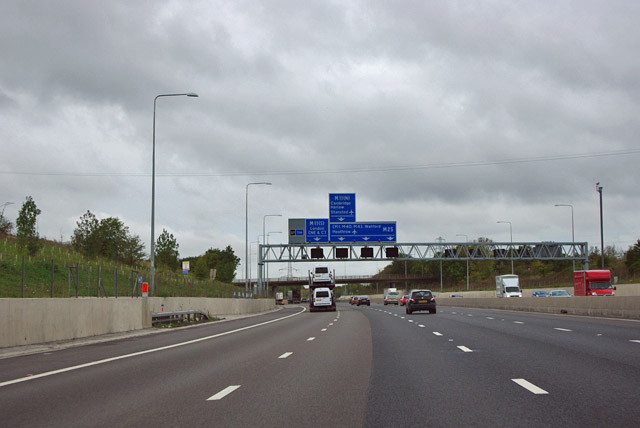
(317, 230)
(342, 207)
(363, 232)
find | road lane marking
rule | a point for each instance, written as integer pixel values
(470, 315)
(529, 386)
(437, 333)
(410, 320)
(634, 340)
(420, 325)
(285, 355)
(401, 318)
(490, 318)
(561, 329)
(324, 329)
(148, 351)
(220, 395)
(464, 349)
(310, 339)
(518, 322)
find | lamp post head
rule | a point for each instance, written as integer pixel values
(191, 94)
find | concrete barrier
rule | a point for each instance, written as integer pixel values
(33, 321)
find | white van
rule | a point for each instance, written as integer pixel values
(321, 273)
(508, 286)
(322, 300)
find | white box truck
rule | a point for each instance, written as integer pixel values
(508, 286)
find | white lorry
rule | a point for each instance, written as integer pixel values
(508, 286)
(391, 296)
(322, 285)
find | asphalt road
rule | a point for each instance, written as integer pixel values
(357, 367)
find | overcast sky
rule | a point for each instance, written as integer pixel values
(444, 116)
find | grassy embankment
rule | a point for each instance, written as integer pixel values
(71, 267)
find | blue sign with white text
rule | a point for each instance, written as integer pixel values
(342, 207)
(317, 230)
(363, 232)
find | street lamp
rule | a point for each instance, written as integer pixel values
(264, 218)
(511, 249)
(268, 265)
(153, 185)
(573, 249)
(599, 190)
(246, 233)
(466, 239)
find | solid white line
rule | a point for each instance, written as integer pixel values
(634, 340)
(135, 354)
(220, 395)
(437, 333)
(464, 349)
(529, 386)
(561, 329)
(310, 339)
(285, 355)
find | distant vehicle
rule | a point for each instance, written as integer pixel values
(353, 300)
(593, 283)
(304, 300)
(321, 273)
(508, 286)
(391, 296)
(455, 296)
(403, 300)
(279, 298)
(293, 296)
(363, 300)
(539, 293)
(559, 293)
(322, 299)
(421, 300)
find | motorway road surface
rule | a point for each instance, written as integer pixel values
(357, 367)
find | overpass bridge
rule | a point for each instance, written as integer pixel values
(355, 279)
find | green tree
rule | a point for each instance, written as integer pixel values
(26, 226)
(85, 237)
(167, 250)
(224, 262)
(5, 226)
(632, 258)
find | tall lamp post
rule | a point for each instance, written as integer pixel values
(573, 239)
(599, 190)
(153, 187)
(466, 239)
(264, 219)
(511, 235)
(246, 232)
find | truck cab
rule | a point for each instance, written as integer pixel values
(593, 283)
(508, 286)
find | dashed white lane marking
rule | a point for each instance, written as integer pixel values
(470, 315)
(518, 322)
(220, 395)
(336, 320)
(634, 340)
(310, 339)
(437, 333)
(330, 323)
(464, 349)
(401, 318)
(421, 325)
(285, 355)
(411, 321)
(561, 329)
(324, 329)
(529, 386)
(490, 318)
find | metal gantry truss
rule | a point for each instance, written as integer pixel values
(446, 251)
(285, 253)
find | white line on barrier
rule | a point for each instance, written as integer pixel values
(220, 395)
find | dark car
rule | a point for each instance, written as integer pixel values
(421, 300)
(363, 300)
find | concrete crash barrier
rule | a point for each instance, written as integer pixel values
(31, 321)
(34, 321)
(612, 307)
